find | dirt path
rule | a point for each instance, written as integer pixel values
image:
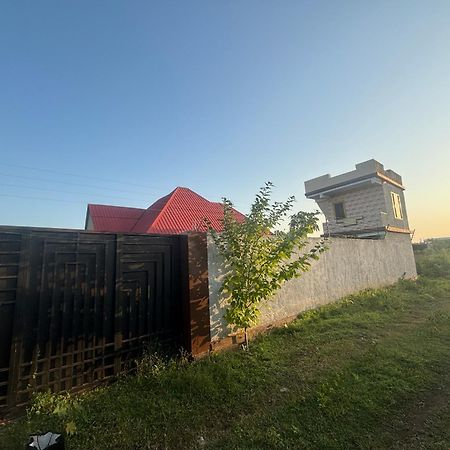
(419, 420)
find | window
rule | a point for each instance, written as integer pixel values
(339, 211)
(397, 205)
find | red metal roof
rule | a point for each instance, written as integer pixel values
(150, 215)
(112, 218)
(181, 210)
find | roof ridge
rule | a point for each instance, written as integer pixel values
(138, 219)
(114, 206)
(149, 210)
(195, 193)
(171, 196)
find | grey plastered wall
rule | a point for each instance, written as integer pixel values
(349, 266)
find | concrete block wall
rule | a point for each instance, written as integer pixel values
(366, 197)
(363, 169)
(363, 205)
(349, 266)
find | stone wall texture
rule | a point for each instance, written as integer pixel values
(348, 266)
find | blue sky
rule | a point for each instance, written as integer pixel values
(119, 102)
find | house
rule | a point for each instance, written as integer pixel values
(180, 211)
(366, 202)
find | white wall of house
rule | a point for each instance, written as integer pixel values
(89, 223)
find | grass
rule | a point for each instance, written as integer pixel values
(371, 371)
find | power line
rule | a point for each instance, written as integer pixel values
(41, 198)
(109, 180)
(182, 209)
(71, 183)
(74, 192)
(67, 192)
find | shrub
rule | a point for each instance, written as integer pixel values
(434, 261)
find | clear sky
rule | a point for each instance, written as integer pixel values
(118, 102)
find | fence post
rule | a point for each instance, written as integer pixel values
(196, 298)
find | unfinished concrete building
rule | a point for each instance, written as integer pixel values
(367, 202)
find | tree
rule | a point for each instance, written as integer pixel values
(258, 258)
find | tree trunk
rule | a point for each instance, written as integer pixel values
(245, 339)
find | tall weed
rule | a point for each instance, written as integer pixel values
(433, 262)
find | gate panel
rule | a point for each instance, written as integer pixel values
(66, 307)
(76, 306)
(149, 305)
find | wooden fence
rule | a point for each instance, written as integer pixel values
(76, 306)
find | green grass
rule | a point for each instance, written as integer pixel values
(371, 371)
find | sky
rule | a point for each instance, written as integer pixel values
(119, 102)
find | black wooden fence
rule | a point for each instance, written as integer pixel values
(76, 306)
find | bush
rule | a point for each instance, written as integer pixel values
(434, 261)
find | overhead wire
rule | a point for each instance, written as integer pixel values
(67, 192)
(2, 194)
(72, 183)
(109, 180)
(180, 209)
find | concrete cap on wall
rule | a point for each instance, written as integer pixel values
(363, 170)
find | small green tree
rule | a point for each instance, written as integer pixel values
(258, 258)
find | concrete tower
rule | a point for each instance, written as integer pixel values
(367, 202)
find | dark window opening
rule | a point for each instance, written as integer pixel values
(339, 211)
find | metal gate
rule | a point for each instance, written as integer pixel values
(76, 306)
